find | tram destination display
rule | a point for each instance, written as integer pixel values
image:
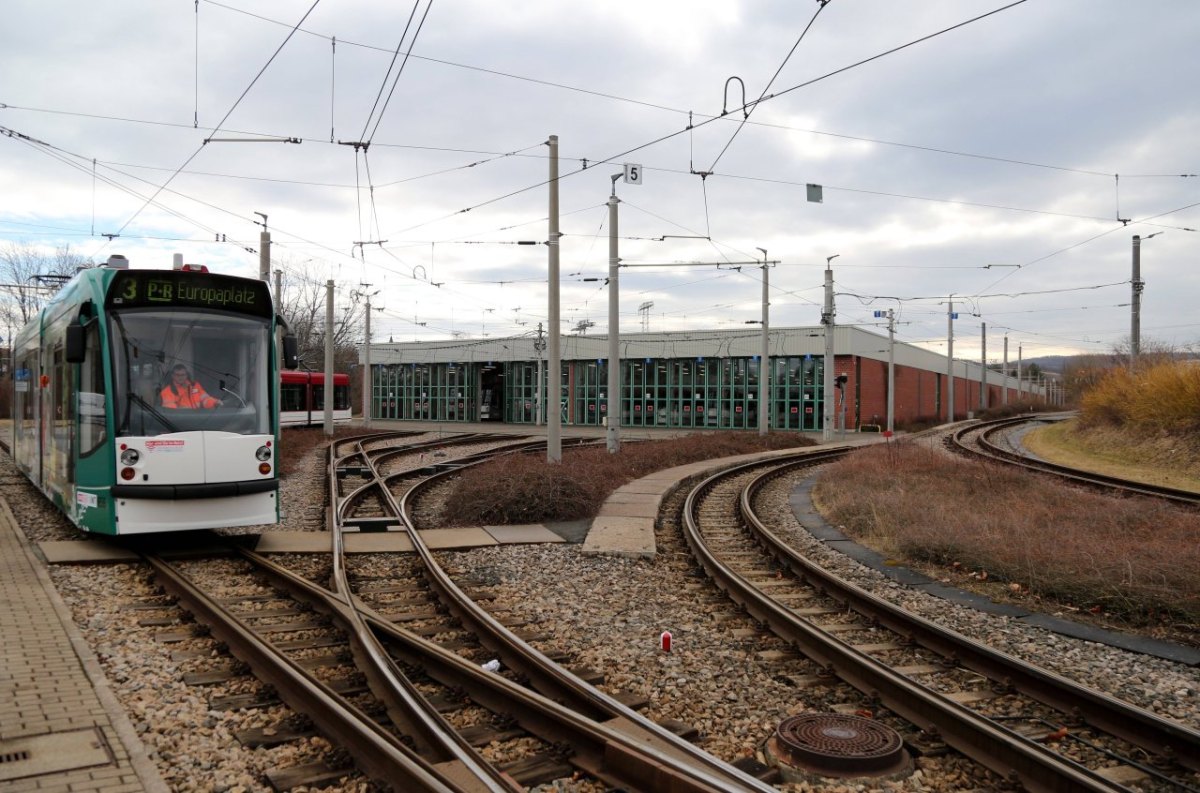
(183, 289)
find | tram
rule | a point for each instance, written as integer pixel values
(143, 400)
(302, 398)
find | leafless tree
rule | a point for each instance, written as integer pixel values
(1150, 352)
(29, 276)
(302, 304)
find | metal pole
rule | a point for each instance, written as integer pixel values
(328, 388)
(950, 360)
(983, 378)
(1020, 391)
(828, 374)
(366, 375)
(264, 253)
(613, 433)
(1004, 390)
(764, 361)
(554, 376)
(891, 407)
(1135, 313)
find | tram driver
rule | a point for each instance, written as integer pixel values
(183, 392)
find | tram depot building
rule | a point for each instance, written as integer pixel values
(704, 379)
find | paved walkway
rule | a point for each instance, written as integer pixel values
(624, 526)
(61, 727)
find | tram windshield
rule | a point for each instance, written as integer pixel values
(179, 371)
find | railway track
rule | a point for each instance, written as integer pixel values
(596, 734)
(387, 672)
(396, 608)
(945, 687)
(981, 441)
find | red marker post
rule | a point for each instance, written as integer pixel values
(665, 641)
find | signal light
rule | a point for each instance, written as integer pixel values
(127, 474)
(264, 468)
(194, 268)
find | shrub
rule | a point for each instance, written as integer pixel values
(1126, 555)
(1163, 397)
(527, 489)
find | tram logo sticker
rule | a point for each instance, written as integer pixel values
(164, 446)
(86, 500)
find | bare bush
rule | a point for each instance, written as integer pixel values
(527, 489)
(1164, 397)
(1132, 557)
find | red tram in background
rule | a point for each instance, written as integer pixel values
(302, 398)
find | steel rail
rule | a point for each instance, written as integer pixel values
(404, 703)
(1116, 717)
(559, 684)
(987, 449)
(352, 498)
(993, 746)
(612, 754)
(376, 751)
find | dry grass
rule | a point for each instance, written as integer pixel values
(1158, 398)
(526, 489)
(1158, 459)
(1131, 558)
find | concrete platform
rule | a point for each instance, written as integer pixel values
(624, 526)
(61, 727)
(398, 541)
(84, 552)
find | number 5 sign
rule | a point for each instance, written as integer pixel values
(633, 173)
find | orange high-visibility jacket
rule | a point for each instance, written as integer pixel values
(193, 396)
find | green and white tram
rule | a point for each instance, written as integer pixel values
(107, 427)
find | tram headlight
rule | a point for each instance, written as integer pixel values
(263, 453)
(130, 457)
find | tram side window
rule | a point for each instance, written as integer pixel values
(341, 397)
(291, 396)
(92, 397)
(27, 403)
(63, 421)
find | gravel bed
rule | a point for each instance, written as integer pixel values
(607, 612)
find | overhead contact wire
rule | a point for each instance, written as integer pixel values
(746, 117)
(396, 54)
(223, 120)
(403, 63)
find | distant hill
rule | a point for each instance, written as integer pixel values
(1049, 363)
(1058, 363)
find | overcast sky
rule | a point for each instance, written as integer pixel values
(1019, 138)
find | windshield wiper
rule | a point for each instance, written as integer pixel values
(236, 395)
(153, 411)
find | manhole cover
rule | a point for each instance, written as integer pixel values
(832, 744)
(46, 754)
